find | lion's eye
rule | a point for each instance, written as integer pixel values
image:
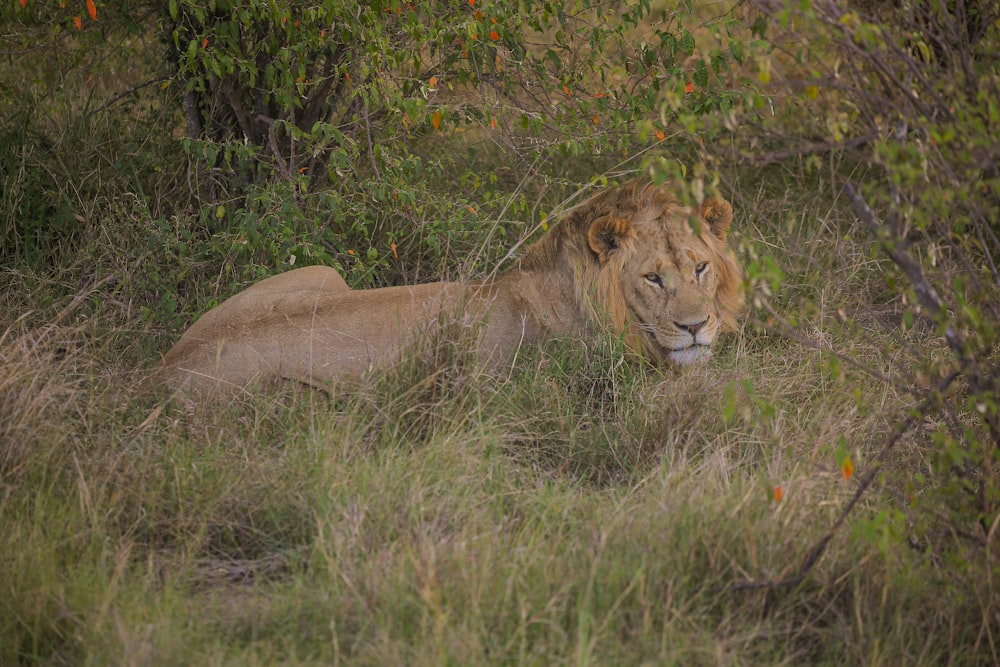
(700, 269)
(654, 279)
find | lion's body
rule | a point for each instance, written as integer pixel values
(628, 260)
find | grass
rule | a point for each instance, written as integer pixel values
(583, 510)
(577, 509)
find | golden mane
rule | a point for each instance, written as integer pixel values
(568, 236)
(599, 287)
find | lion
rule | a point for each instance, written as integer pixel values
(630, 260)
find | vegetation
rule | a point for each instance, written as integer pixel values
(825, 490)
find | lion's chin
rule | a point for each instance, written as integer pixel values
(690, 355)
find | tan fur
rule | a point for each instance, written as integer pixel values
(629, 260)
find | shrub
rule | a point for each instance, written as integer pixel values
(911, 101)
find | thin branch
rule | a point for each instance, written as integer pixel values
(788, 330)
(813, 555)
(812, 149)
(979, 226)
(127, 92)
(236, 104)
(192, 115)
(898, 250)
(371, 145)
(272, 140)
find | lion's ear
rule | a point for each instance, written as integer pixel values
(718, 213)
(607, 234)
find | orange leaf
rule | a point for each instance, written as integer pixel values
(436, 120)
(494, 35)
(77, 22)
(204, 43)
(433, 81)
(595, 120)
(472, 3)
(847, 468)
(660, 137)
(394, 255)
(689, 87)
(478, 15)
(493, 123)
(779, 493)
(322, 34)
(24, 3)
(92, 10)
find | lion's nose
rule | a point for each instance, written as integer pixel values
(692, 328)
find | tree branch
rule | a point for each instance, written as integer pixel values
(813, 555)
(898, 250)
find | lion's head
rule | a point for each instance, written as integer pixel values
(651, 269)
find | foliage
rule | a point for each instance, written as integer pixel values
(314, 133)
(353, 102)
(913, 96)
(311, 94)
(59, 156)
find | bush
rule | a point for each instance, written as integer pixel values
(911, 102)
(352, 105)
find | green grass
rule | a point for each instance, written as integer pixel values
(578, 509)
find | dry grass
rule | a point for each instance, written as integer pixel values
(584, 510)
